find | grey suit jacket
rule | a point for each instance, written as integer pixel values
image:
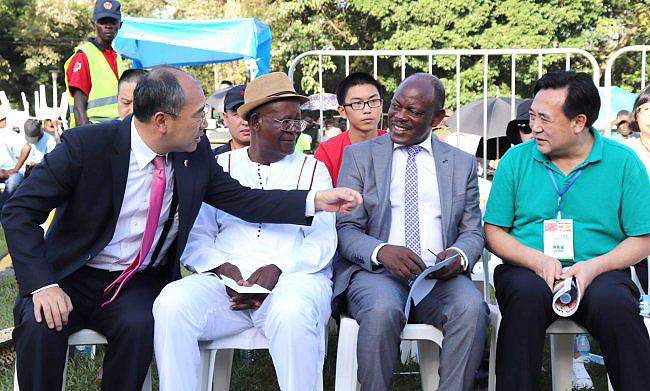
(366, 167)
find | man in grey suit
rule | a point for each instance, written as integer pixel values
(421, 205)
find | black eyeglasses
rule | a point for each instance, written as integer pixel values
(288, 125)
(372, 103)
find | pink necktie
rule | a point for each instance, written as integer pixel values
(155, 205)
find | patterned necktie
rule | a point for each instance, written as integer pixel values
(153, 216)
(411, 214)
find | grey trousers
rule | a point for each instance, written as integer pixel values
(376, 301)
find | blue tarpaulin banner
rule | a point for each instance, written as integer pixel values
(151, 42)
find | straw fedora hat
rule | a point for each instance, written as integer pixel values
(267, 88)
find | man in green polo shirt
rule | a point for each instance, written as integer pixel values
(598, 190)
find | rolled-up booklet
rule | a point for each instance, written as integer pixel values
(566, 298)
(421, 286)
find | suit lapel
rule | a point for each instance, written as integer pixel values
(381, 154)
(120, 162)
(184, 187)
(444, 173)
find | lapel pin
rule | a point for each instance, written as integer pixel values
(185, 163)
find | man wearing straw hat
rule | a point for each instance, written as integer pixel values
(296, 268)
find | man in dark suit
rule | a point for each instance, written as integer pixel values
(126, 194)
(420, 205)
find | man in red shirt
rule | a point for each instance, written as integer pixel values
(79, 80)
(360, 102)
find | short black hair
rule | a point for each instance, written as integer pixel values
(131, 76)
(32, 127)
(622, 112)
(644, 97)
(158, 90)
(582, 96)
(226, 82)
(355, 79)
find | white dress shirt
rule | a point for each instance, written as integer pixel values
(218, 237)
(129, 229)
(429, 211)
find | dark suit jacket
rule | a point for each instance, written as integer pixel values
(84, 178)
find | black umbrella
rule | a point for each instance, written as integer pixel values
(499, 114)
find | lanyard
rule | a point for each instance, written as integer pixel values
(557, 189)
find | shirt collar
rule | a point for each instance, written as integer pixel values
(143, 154)
(426, 144)
(595, 154)
(99, 47)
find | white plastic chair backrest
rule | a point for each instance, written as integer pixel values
(25, 103)
(4, 101)
(42, 96)
(37, 102)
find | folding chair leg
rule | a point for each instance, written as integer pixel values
(65, 367)
(429, 357)
(562, 361)
(346, 356)
(222, 369)
(492, 365)
(16, 378)
(205, 369)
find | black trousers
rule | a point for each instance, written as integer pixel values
(127, 323)
(609, 311)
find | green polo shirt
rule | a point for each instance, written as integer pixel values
(608, 202)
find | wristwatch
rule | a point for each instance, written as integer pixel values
(463, 262)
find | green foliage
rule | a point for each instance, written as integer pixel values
(37, 36)
(303, 25)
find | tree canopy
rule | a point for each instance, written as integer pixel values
(37, 36)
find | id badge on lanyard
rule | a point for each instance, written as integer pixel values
(558, 233)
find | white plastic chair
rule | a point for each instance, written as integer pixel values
(429, 340)
(562, 333)
(216, 359)
(86, 337)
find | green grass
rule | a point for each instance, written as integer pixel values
(3, 243)
(258, 376)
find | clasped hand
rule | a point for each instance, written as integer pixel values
(404, 263)
(266, 276)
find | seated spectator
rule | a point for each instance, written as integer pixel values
(41, 143)
(622, 124)
(360, 102)
(125, 87)
(330, 130)
(52, 127)
(421, 205)
(237, 126)
(518, 130)
(291, 261)
(640, 122)
(596, 189)
(13, 154)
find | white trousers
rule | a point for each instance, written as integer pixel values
(293, 318)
